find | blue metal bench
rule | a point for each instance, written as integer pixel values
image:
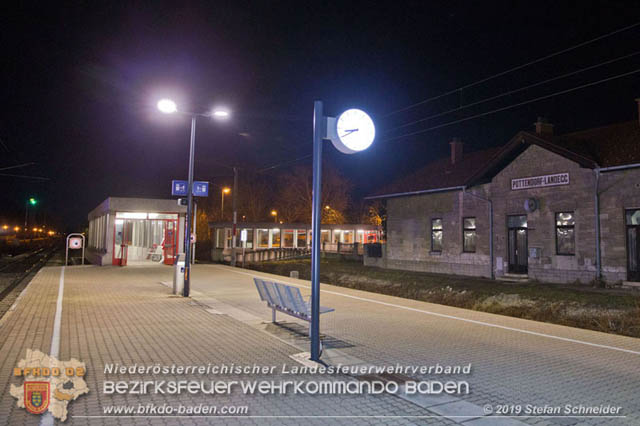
(286, 299)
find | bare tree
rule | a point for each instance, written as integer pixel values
(294, 195)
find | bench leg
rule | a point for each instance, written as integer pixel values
(273, 314)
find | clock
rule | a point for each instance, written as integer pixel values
(355, 131)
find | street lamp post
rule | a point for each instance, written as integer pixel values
(225, 190)
(274, 213)
(168, 106)
(351, 132)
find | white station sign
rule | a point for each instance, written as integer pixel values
(540, 181)
(75, 243)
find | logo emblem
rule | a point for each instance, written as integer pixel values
(36, 397)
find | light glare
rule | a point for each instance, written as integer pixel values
(167, 106)
(220, 113)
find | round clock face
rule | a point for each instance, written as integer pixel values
(355, 130)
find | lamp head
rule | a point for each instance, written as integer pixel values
(167, 106)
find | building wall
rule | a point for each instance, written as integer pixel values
(619, 191)
(409, 233)
(577, 197)
(409, 223)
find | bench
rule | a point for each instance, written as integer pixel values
(286, 299)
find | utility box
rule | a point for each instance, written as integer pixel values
(178, 274)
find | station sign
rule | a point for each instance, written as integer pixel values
(200, 189)
(540, 181)
(179, 188)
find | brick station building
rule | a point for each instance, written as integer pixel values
(547, 207)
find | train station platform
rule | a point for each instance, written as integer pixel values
(128, 316)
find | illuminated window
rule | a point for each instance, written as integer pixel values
(263, 238)
(275, 238)
(565, 233)
(469, 235)
(287, 238)
(436, 235)
(302, 238)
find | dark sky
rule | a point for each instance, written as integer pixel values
(80, 82)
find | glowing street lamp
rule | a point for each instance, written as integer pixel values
(274, 213)
(351, 132)
(5, 227)
(168, 106)
(16, 228)
(225, 190)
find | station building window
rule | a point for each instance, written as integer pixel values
(263, 238)
(337, 236)
(469, 236)
(324, 236)
(302, 238)
(436, 235)
(275, 238)
(565, 233)
(287, 238)
(347, 237)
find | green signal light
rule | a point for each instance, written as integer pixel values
(33, 201)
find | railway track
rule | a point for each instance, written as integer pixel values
(14, 273)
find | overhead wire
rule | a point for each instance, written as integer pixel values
(511, 92)
(518, 67)
(539, 98)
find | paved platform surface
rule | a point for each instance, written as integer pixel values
(127, 315)
(515, 361)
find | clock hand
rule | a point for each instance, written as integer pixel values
(349, 132)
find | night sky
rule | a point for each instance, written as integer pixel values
(80, 81)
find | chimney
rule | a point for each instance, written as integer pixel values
(456, 150)
(543, 128)
(638, 101)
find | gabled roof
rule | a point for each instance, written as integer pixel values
(612, 145)
(607, 146)
(439, 174)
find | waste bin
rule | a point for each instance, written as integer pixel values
(178, 274)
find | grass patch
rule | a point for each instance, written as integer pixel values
(609, 310)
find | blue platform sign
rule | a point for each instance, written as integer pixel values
(179, 187)
(200, 189)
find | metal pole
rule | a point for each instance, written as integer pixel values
(26, 212)
(318, 133)
(187, 237)
(596, 202)
(235, 216)
(195, 225)
(222, 207)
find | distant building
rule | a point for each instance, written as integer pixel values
(125, 231)
(264, 236)
(553, 208)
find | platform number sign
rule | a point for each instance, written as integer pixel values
(201, 189)
(179, 188)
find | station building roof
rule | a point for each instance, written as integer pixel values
(607, 146)
(125, 204)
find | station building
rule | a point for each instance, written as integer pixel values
(546, 207)
(264, 236)
(126, 231)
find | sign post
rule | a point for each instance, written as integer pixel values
(75, 241)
